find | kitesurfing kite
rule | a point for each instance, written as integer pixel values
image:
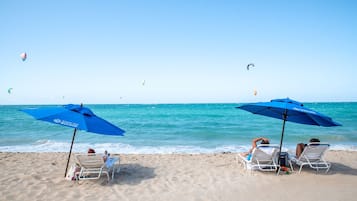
(143, 83)
(23, 56)
(9, 90)
(255, 92)
(250, 65)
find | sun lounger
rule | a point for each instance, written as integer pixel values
(92, 166)
(313, 157)
(263, 158)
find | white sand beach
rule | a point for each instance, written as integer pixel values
(39, 176)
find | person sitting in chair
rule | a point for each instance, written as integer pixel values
(91, 151)
(300, 147)
(255, 141)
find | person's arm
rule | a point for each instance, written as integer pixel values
(254, 144)
(255, 141)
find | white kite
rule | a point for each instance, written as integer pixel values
(23, 56)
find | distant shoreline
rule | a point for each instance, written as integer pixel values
(198, 103)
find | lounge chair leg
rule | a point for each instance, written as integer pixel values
(328, 167)
(291, 166)
(327, 170)
(300, 169)
(278, 171)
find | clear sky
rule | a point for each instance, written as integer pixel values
(177, 51)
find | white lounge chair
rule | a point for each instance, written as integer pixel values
(312, 156)
(263, 158)
(92, 166)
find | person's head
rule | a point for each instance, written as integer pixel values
(264, 141)
(91, 151)
(314, 140)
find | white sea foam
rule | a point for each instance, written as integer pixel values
(52, 146)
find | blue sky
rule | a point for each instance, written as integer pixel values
(186, 51)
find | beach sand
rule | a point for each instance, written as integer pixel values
(40, 176)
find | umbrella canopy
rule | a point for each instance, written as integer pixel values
(289, 110)
(77, 117)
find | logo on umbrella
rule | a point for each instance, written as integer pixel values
(303, 110)
(65, 123)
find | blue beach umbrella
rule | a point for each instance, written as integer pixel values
(77, 117)
(289, 110)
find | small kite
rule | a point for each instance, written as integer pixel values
(250, 65)
(143, 83)
(9, 90)
(23, 56)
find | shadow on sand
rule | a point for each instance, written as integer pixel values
(336, 168)
(133, 174)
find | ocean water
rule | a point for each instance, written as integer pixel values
(175, 128)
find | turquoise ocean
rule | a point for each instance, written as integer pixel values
(175, 128)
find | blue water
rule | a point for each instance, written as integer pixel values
(175, 128)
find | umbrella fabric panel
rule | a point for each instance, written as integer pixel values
(58, 115)
(278, 114)
(102, 126)
(75, 116)
(294, 112)
(39, 113)
(73, 120)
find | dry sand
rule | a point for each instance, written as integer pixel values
(40, 176)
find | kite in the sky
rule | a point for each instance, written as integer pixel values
(23, 56)
(255, 92)
(9, 90)
(143, 83)
(250, 65)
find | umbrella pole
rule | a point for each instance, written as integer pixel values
(70, 151)
(282, 135)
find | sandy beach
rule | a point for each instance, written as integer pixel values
(39, 176)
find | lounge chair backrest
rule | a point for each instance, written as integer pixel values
(90, 160)
(314, 151)
(265, 153)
